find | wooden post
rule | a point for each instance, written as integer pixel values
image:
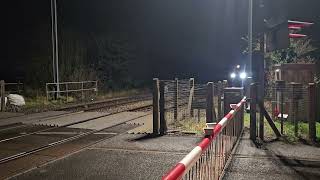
(175, 99)
(191, 94)
(312, 112)
(163, 123)
(156, 110)
(219, 94)
(2, 94)
(209, 109)
(261, 114)
(253, 111)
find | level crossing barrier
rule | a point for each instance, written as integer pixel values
(208, 159)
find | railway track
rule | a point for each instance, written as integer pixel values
(65, 140)
(91, 107)
(95, 106)
(69, 124)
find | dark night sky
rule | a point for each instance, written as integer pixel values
(185, 37)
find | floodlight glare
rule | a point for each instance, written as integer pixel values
(233, 75)
(243, 75)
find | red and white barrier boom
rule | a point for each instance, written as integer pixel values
(191, 159)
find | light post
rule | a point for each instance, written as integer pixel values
(250, 35)
(54, 38)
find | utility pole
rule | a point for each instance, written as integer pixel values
(55, 49)
(250, 35)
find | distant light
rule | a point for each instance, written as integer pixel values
(238, 66)
(243, 75)
(233, 75)
(277, 70)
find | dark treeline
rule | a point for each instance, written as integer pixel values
(126, 43)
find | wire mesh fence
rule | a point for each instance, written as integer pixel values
(290, 104)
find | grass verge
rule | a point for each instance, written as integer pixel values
(288, 128)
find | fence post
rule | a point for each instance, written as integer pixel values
(156, 111)
(260, 99)
(96, 88)
(296, 94)
(163, 123)
(253, 111)
(191, 87)
(219, 95)
(18, 87)
(280, 86)
(312, 112)
(82, 93)
(47, 92)
(209, 109)
(2, 93)
(175, 98)
(67, 91)
(318, 101)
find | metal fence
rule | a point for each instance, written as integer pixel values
(292, 103)
(207, 160)
(14, 88)
(82, 89)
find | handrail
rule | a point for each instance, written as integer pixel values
(178, 171)
(68, 90)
